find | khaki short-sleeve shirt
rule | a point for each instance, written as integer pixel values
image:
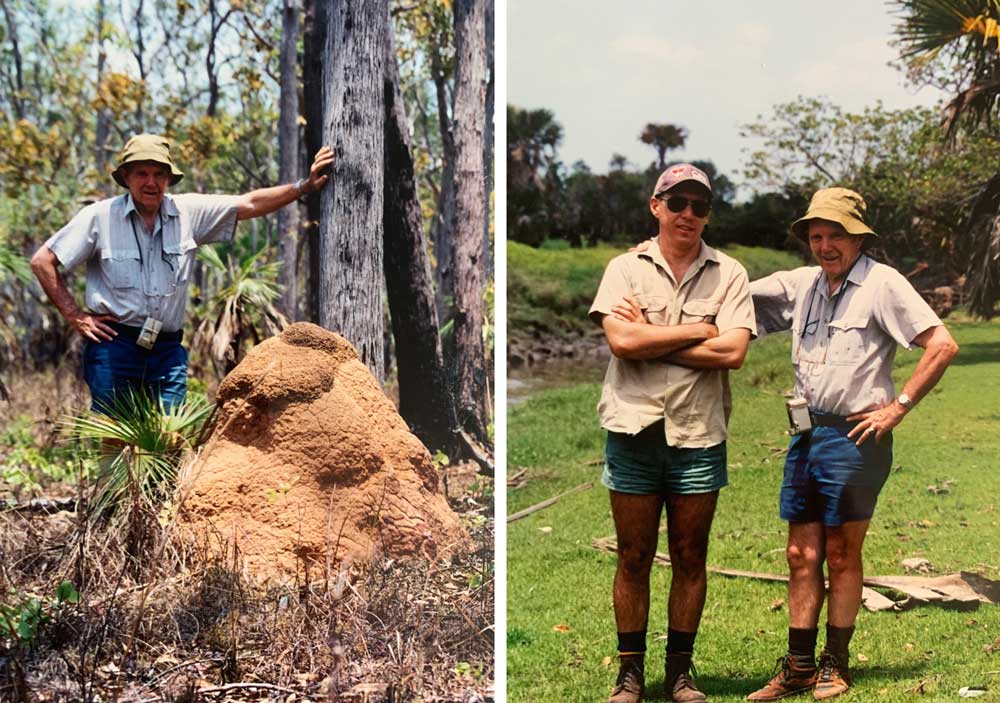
(843, 345)
(133, 274)
(696, 403)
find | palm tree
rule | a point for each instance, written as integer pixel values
(532, 139)
(956, 43)
(143, 444)
(663, 138)
(244, 309)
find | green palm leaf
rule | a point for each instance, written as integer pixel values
(151, 442)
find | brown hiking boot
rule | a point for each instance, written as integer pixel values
(791, 678)
(834, 677)
(677, 683)
(629, 685)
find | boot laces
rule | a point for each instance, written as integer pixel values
(629, 679)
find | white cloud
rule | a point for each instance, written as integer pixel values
(754, 34)
(656, 49)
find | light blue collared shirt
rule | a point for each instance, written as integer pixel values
(843, 345)
(134, 274)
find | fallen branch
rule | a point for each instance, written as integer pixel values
(478, 453)
(514, 480)
(550, 501)
(41, 505)
(964, 591)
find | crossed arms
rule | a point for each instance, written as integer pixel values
(696, 345)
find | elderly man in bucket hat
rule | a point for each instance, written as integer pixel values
(847, 315)
(139, 251)
(676, 317)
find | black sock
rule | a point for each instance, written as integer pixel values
(802, 644)
(632, 643)
(838, 640)
(679, 642)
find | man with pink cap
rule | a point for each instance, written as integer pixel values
(677, 317)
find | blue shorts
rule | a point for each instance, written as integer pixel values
(829, 479)
(644, 464)
(114, 365)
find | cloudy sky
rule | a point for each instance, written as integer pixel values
(606, 69)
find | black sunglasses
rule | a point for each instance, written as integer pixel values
(677, 203)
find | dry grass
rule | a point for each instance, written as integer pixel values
(176, 624)
(165, 629)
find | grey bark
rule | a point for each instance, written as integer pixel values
(470, 215)
(350, 245)
(444, 210)
(425, 398)
(288, 146)
(139, 52)
(102, 127)
(17, 87)
(488, 141)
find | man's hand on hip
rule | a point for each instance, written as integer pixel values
(93, 327)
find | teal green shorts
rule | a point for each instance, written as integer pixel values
(644, 464)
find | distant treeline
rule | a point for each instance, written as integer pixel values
(920, 188)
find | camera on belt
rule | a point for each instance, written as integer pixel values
(799, 420)
(149, 332)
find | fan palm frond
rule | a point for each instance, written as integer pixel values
(968, 33)
(149, 441)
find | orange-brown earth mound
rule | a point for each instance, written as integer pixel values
(310, 466)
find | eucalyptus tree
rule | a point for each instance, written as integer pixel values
(426, 400)
(351, 229)
(470, 215)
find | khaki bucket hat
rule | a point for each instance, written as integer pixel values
(146, 147)
(840, 205)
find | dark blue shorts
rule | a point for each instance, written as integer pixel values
(644, 464)
(829, 479)
(109, 367)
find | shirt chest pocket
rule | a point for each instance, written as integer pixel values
(175, 268)
(848, 340)
(122, 268)
(657, 308)
(699, 311)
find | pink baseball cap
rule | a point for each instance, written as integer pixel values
(679, 173)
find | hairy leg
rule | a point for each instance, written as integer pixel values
(689, 521)
(637, 521)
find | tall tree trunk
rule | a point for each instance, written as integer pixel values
(139, 52)
(444, 210)
(288, 145)
(470, 214)
(17, 87)
(488, 141)
(102, 127)
(425, 397)
(350, 295)
(313, 101)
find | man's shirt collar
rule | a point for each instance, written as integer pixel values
(705, 254)
(167, 207)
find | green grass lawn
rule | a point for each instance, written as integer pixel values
(552, 289)
(560, 624)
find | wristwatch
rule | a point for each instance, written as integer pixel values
(905, 400)
(298, 186)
